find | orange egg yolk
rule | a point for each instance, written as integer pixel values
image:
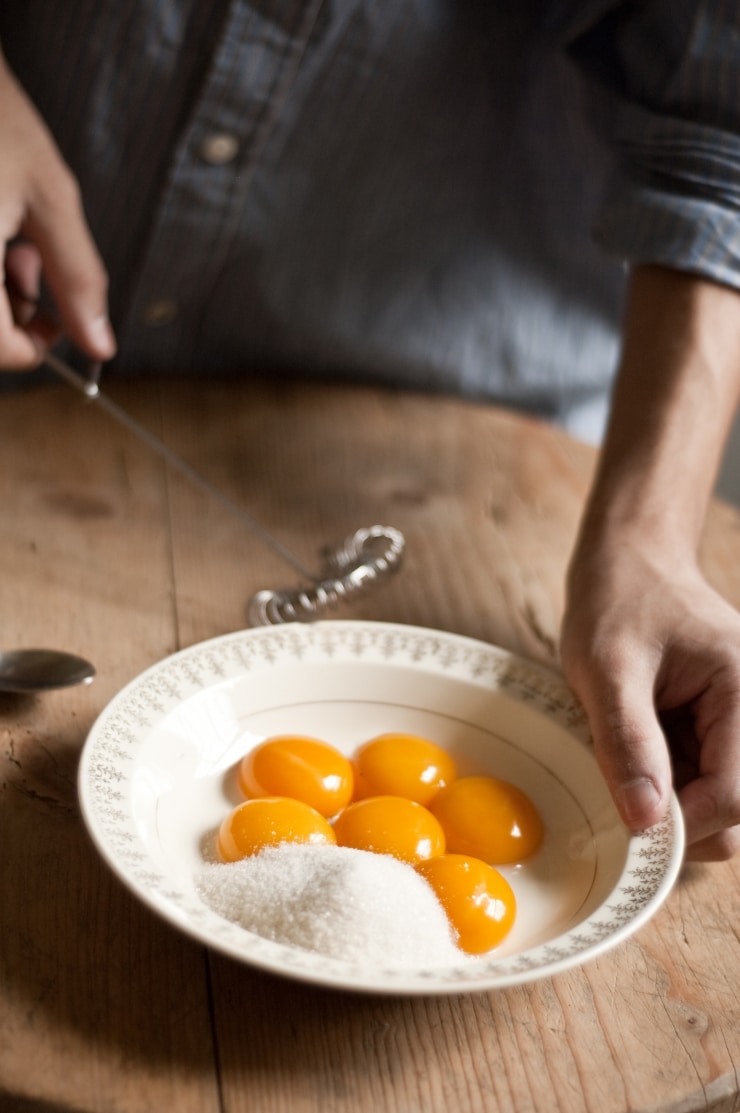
(478, 900)
(269, 821)
(390, 825)
(303, 768)
(402, 765)
(489, 819)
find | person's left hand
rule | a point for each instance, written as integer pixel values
(653, 653)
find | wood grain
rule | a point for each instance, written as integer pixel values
(102, 1006)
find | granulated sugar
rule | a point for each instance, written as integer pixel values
(340, 902)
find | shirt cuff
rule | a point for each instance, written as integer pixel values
(675, 198)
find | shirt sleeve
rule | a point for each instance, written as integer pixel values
(669, 75)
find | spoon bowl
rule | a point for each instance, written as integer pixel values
(42, 670)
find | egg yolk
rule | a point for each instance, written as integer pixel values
(303, 768)
(478, 900)
(402, 765)
(390, 825)
(269, 821)
(489, 819)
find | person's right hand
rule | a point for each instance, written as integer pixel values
(43, 233)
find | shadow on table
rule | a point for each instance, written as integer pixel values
(80, 957)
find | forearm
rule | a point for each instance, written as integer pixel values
(652, 651)
(673, 404)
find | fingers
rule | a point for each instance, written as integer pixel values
(60, 247)
(72, 268)
(710, 798)
(40, 202)
(630, 748)
(19, 351)
(660, 684)
(25, 331)
(696, 747)
(717, 848)
(23, 274)
(616, 690)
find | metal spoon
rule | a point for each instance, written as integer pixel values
(42, 670)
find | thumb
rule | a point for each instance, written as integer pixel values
(630, 746)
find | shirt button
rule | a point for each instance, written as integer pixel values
(219, 148)
(160, 312)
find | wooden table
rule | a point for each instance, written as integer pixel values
(105, 1008)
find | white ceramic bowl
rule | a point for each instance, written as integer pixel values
(156, 779)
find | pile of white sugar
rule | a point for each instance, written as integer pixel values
(344, 903)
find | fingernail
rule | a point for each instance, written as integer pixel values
(637, 802)
(101, 335)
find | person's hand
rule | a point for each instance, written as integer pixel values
(653, 653)
(43, 234)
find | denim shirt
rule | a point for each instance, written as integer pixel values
(438, 194)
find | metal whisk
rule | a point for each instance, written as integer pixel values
(366, 558)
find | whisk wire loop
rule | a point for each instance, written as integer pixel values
(368, 555)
